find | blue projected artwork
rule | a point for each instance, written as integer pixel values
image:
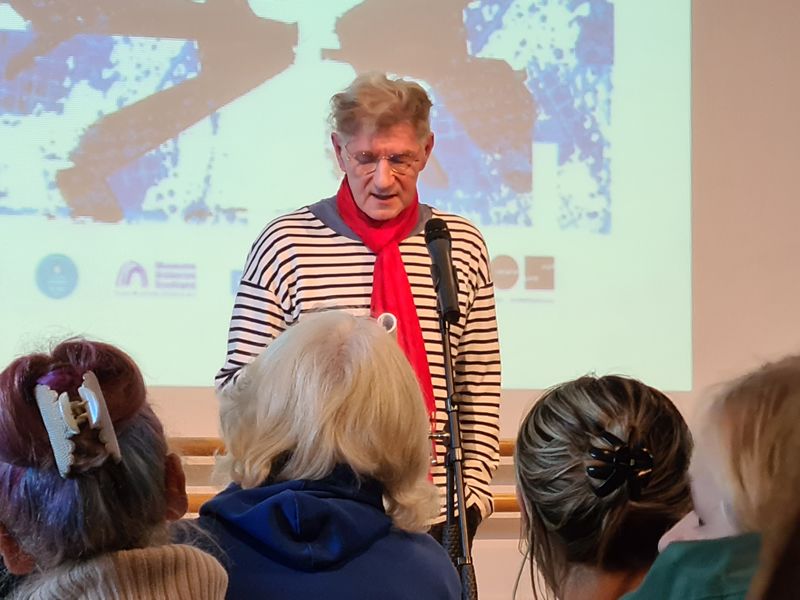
(566, 50)
(115, 112)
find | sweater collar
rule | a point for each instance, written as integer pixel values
(169, 571)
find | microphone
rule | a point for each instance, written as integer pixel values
(438, 240)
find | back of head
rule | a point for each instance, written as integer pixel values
(374, 102)
(100, 505)
(613, 519)
(333, 389)
(777, 577)
(749, 437)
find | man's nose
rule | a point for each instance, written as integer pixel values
(383, 176)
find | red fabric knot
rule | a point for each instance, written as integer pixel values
(391, 291)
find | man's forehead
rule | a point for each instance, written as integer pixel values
(395, 139)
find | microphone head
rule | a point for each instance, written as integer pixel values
(436, 229)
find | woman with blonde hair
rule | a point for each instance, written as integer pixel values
(87, 484)
(327, 445)
(601, 466)
(744, 474)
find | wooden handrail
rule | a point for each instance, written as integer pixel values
(197, 499)
(506, 447)
(506, 503)
(209, 446)
(503, 503)
(196, 446)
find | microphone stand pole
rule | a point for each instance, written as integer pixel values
(456, 531)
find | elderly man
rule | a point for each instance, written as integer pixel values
(363, 250)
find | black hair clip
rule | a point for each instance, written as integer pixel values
(622, 464)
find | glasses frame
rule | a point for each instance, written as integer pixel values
(364, 169)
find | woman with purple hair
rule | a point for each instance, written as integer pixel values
(87, 485)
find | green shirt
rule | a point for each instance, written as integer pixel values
(719, 569)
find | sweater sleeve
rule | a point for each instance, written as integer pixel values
(477, 385)
(257, 317)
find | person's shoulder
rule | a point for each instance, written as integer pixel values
(424, 559)
(720, 568)
(286, 230)
(452, 219)
(419, 546)
(733, 550)
(461, 228)
(299, 219)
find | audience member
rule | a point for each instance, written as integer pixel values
(601, 466)
(745, 456)
(327, 445)
(87, 485)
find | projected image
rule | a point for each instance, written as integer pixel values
(124, 90)
(145, 144)
(97, 93)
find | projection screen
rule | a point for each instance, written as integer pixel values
(144, 145)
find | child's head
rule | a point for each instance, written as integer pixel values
(744, 454)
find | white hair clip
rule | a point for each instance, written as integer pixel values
(63, 419)
(389, 322)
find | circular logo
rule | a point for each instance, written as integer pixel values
(505, 272)
(56, 276)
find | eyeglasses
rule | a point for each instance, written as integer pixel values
(366, 163)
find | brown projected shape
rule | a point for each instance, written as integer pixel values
(426, 40)
(238, 52)
(505, 272)
(540, 273)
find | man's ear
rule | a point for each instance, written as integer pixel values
(17, 561)
(175, 487)
(427, 149)
(337, 148)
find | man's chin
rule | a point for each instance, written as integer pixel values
(382, 212)
(381, 215)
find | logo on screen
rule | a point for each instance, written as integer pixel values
(505, 272)
(538, 273)
(176, 277)
(56, 276)
(158, 279)
(132, 274)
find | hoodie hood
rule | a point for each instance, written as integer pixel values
(304, 524)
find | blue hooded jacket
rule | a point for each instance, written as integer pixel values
(322, 539)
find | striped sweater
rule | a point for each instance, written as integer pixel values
(309, 260)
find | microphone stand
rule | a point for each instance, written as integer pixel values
(455, 536)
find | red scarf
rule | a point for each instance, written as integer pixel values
(391, 291)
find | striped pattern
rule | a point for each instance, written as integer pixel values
(300, 265)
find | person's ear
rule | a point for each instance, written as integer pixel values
(175, 487)
(337, 148)
(427, 149)
(17, 561)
